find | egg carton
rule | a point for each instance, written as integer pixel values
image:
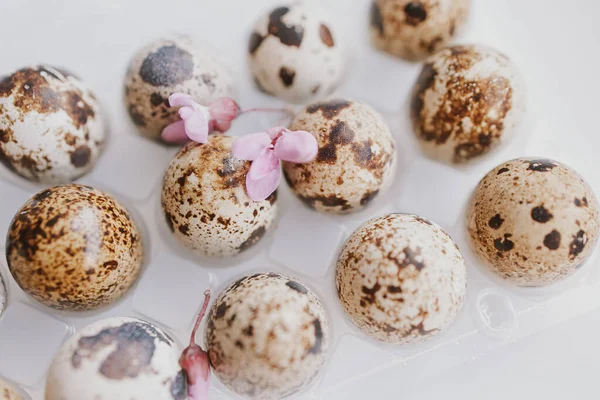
(304, 244)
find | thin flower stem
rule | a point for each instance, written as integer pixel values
(200, 316)
(266, 109)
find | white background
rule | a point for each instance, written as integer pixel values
(554, 43)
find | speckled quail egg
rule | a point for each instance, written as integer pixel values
(401, 279)
(356, 158)
(294, 53)
(533, 221)
(51, 125)
(9, 391)
(73, 247)
(205, 202)
(117, 359)
(415, 29)
(175, 64)
(267, 336)
(466, 101)
(3, 296)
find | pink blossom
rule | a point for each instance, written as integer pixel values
(266, 150)
(195, 362)
(197, 121)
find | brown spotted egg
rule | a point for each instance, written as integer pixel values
(73, 247)
(176, 64)
(294, 53)
(533, 221)
(267, 336)
(9, 391)
(205, 202)
(117, 359)
(401, 279)
(356, 159)
(466, 101)
(51, 126)
(415, 29)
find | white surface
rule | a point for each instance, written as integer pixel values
(554, 44)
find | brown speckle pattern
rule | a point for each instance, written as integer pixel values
(544, 236)
(400, 279)
(294, 53)
(127, 356)
(72, 247)
(466, 101)
(356, 158)
(51, 126)
(165, 66)
(276, 343)
(415, 29)
(205, 202)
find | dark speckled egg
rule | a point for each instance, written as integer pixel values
(3, 296)
(75, 248)
(414, 29)
(267, 336)
(205, 202)
(401, 279)
(165, 66)
(356, 160)
(533, 221)
(117, 359)
(51, 126)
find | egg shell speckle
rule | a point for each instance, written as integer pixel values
(295, 54)
(73, 247)
(533, 221)
(267, 336)
(51, 125)
(356, 159)
(466, 102)
(401, 279)
(416, 29)
(176, 64)
(117, 359)
(3, 295)
(9, 392)
(205, 202)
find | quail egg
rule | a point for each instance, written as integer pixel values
(9, 392)
(3, 296)
(295, 54)
(401, 279)
(466, 101)
(176, 64)
(73, 247)
(533, 221)
(414, 29)
(267, 336)
(205, 202)
(51, 126)
(356, 159)
(117, 359)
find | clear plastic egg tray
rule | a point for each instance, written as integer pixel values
(96, 38)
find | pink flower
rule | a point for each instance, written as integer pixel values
(197, 121)
(194, 361)
(266, 150)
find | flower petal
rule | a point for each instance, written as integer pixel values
(175, 133)
(181, 99)
(296, 147)
(250, 147)
(196, 127)
(275, 131)
(262, 188)
(224, 109)
(186, 112)
(263, 165)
